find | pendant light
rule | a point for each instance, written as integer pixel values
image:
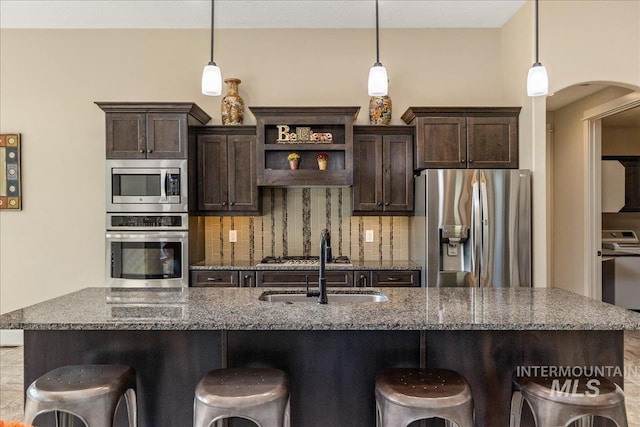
(537, 80)
(211, 76)
(378, 81)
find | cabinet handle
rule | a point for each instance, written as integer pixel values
(393, 279)
(379, 203)
(247, 280)
(224, 203)
(142, 151)
(386, 204)
(363, 280)
(213, 279)
(461, 160)
(232, 203)
(151, 151)
(470, 160)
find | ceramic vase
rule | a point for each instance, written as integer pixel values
(322, 164)
(380, 110)
(293, 164)
(232, 104)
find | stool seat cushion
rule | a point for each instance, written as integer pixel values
(236, 388)
(81, 382)
(579, 390)
(423, 388)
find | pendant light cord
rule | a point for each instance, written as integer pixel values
(212, 15)
(377, 37)
(537, 41)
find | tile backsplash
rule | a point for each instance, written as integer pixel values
(291, 224)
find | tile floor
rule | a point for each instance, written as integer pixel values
(11, 387)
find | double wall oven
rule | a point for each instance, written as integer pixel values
(146, 224)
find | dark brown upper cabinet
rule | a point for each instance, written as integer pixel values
(222, 171)
(465, 137)
(383, 170)
(156, 130)
(307, 131)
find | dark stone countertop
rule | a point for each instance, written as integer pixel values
(240, 309)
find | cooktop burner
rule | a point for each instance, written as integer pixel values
(301, 260)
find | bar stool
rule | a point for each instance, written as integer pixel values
(407, 395)
(257, 394)
(90, 392)
(559, 401)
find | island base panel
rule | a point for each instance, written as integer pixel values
(488, 359)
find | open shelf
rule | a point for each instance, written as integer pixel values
(307, 131)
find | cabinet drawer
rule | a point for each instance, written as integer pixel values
(298, 278)
(395, 278)
(214, 278)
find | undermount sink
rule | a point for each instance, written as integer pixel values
(332, 297)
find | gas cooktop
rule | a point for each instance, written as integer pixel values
(301, 260)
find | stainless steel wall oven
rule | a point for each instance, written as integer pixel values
(147, 250)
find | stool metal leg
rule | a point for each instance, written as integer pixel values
(132, 407)
(517, 400)
(64, 419)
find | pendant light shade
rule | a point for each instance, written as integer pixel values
(211, 75)
(378, 80)
(537, 80)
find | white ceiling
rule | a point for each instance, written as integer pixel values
(256, 13)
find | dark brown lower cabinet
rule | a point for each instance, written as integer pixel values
(283, 278)
(222, 278)
(387, 278)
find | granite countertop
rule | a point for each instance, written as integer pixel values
(252, 265)
(240, 309)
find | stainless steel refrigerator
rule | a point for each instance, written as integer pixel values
(472, 227)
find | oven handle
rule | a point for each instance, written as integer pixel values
(155, 236)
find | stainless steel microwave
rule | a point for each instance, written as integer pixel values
(146, 185)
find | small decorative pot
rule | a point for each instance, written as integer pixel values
(322, 164)
(293, 164)
(232, 104)
(380, 110)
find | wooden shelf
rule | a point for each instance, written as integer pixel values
(275, 124)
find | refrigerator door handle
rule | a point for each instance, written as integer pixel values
(485, 241)
(476, 219)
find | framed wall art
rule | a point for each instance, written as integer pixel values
(10, 191)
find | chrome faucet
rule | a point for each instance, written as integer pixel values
(325, 256)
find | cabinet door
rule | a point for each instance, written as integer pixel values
(389, 278)
(284, 278)
(214, 279)
(243, 188)
(397, 169)
(125, 136)
(367, 173)
(441, 142)
(212, 175)
(166, 136)
(492, 142)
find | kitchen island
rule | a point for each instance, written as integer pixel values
(331, 352)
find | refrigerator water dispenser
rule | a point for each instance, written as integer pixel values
(453, 240)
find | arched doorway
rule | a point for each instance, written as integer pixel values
(574, 173)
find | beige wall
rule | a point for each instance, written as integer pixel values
(621, 141)
(49, 80)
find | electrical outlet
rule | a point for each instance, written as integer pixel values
(368, 237)
(233, 236)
